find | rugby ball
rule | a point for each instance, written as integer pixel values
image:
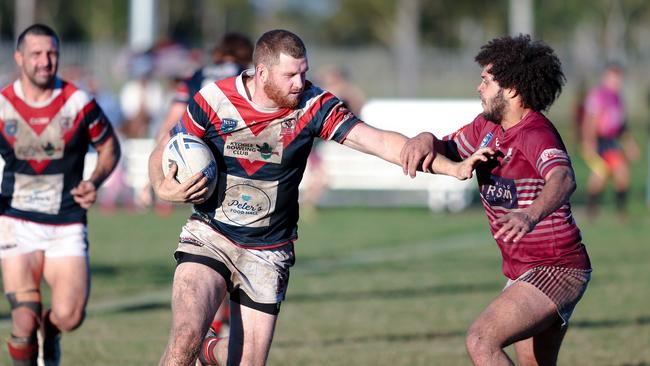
(192, 155)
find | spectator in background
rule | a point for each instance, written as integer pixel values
(607, 145)
(142, 98)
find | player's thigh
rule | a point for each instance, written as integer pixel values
(69, 279)
(20, 256)
(519, 312)
(22, 272)
(251, 333)
(66, 267)
(197, 292)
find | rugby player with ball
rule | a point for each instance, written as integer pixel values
(260, 127)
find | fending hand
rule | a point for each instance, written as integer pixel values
(418, 152)
(467, 166)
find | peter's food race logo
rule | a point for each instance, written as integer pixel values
(247, 202)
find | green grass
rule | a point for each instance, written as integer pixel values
(370, 287)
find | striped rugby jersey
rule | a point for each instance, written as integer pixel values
(44, 145)
(525, 154)
(261, 155)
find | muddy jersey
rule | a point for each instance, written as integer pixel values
(525, 154)
(261, 155)
(44, 145)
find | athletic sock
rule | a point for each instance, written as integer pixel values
(51, 340)
(23, 350)
(207, 356)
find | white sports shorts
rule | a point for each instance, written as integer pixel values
(21, 236)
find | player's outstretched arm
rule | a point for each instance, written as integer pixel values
(421, 155)
(425, 152)
(370, 140)
(167, 188)
(560, 184)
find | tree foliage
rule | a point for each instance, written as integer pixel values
(442, 23)
(74, 20)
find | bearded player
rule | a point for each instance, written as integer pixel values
(525, 190)
(260, 126)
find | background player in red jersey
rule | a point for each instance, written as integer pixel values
(525, 189)
(46, 128)
(260, 126)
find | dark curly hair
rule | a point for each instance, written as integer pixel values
(531, 68)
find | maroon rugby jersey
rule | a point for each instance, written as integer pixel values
(525, 154)
(261, 156)
(44, 145)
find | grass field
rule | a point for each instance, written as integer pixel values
(394, 287)
(371, 287)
